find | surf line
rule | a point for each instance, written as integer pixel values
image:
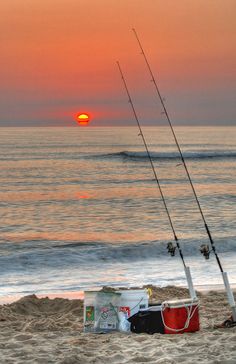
(171, 248)
(204, 248)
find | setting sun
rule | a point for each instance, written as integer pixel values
(83, 119)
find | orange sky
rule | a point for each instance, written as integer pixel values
(58, 58)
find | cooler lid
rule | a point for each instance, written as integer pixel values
(154, 308)
(180, 302)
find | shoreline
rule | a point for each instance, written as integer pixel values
(74, 295)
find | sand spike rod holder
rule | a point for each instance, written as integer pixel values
(224, 274)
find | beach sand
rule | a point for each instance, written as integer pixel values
(43, 330)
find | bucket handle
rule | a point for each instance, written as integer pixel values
(132, 308)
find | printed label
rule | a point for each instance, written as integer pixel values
(89, 315)
(108, 318)
(107, 325)
(142, 306)
(126, 311)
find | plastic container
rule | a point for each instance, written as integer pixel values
(132, 301)
(180, 316)
(101, 311)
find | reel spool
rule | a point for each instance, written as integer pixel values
(205, 251)
(171, 249)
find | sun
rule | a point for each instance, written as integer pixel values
(83, 118)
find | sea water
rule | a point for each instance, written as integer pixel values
(80, 207)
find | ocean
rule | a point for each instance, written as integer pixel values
(81, 208)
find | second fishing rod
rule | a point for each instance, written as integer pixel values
(204, 248)
(170, 246)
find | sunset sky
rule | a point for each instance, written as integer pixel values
(58, 57)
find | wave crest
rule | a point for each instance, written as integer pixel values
(169, 155)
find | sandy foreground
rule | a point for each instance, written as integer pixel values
(34, 330)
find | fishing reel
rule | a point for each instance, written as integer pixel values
(205, 251)
(171, 249)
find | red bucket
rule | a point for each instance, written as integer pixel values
(180, 316)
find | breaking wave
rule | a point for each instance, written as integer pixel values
(78, 254)
(169, 155)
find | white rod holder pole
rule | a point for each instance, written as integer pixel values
(190, 283)
(229, 294)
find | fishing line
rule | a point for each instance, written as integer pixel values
(170, 247)
(204, 248)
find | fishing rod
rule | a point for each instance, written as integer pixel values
(204, 248)
(171, 248)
